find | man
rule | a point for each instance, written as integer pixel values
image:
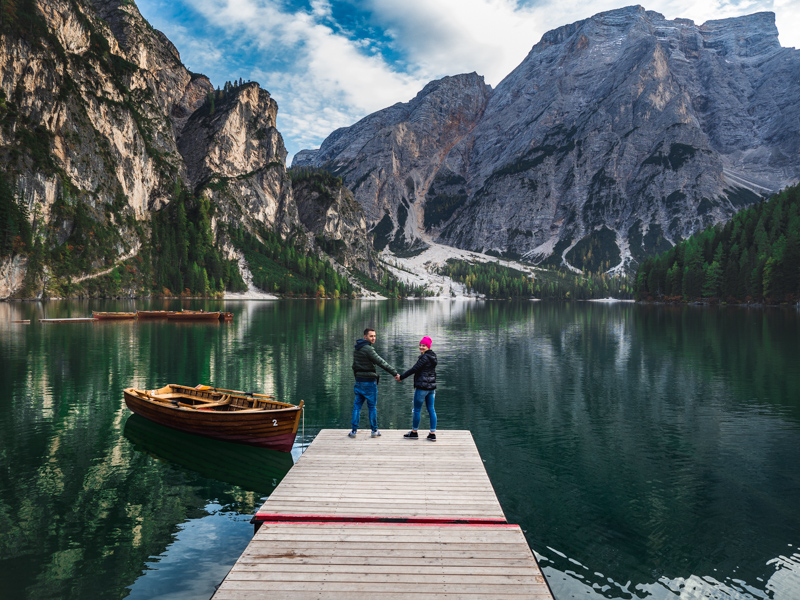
(366, 388)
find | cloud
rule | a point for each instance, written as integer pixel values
(322, 79)
(457, 36)
(330, 62)
(202, 55)
(493, 36)
(788, 15)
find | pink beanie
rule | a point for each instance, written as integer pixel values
(427, 341)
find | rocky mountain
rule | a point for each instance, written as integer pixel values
(102, 127)
(616, 137)
(328, 210)
(389, 159)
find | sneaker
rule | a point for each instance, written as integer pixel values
(432, 436)
(353, 433)
(412, 435)
(376, 433)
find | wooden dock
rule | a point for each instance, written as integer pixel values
(385, 518)
(69, 320)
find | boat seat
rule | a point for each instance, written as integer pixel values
(226, 399)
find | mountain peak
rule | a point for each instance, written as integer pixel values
(745, 37)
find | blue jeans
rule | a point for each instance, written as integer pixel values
(366, 391)
(427, 396)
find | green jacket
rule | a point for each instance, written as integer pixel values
(364, 360)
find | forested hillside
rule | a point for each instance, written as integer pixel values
(755, 257)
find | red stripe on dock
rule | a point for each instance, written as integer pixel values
(276, 517)
(416, 524)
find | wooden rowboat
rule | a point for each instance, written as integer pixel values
(226, 316)
(113, 315)
(151, 314)
(193, 315)
(244, 418)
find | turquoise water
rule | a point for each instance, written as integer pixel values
(647, 452)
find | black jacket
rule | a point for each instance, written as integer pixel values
(424, 371)
(364, 360)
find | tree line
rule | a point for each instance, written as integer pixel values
(754, 257)
(390, 286)
(221, 95)
(494, 280)
(321, 178)
(283, 267)
(490, 279)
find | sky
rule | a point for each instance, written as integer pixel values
(328, 63)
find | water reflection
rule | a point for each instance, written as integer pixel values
(648, 452)
(202, 552)
(257, 469)
(578, 582)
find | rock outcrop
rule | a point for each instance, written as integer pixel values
(329, 211)
(235, 155)
(615, 137)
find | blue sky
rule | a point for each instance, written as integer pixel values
(329, 63)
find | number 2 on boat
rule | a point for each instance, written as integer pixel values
(274, 422)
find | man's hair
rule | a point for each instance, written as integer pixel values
(367, 330)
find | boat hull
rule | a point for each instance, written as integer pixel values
(151, 314)
(275, 429)
(110, 316)
(186, 315)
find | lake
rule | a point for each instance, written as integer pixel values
(646, 451)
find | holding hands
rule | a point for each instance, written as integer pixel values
(397, 377)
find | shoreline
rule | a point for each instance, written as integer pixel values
(247, 296)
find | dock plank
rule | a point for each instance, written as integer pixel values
(385, 518)
(388, 476)
(69, 320)
(369, 560)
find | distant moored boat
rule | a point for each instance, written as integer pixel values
(152, 314)
(193, 315)
(113, 315)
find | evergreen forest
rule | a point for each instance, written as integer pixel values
(184, 256)
(390, 286)
(15, 230)
(495, 280)
(283, 267)
(754, 257)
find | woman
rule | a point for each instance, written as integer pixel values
(424, 387)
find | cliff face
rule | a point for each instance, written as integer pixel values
(100, 124)
(329, 211)
(390, 158)
(615, 137)
(235, 155)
